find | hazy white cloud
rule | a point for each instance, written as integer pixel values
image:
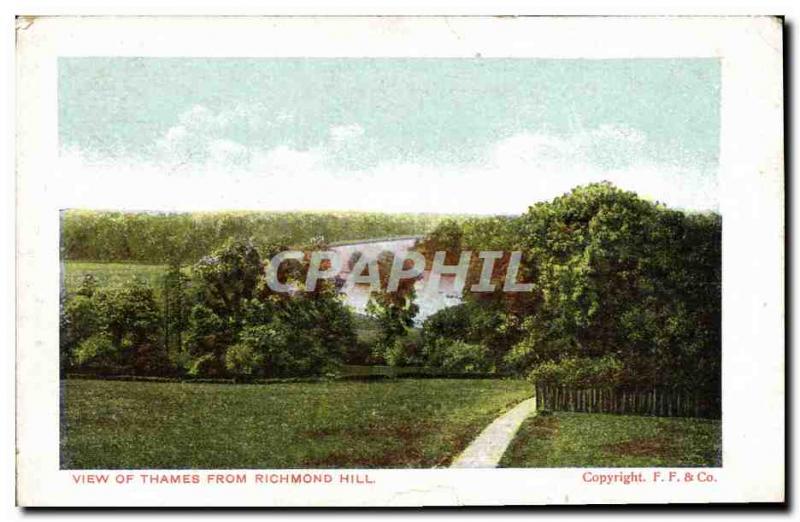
(342, 133)
(201, 134)
(227, 152)
(199, 166)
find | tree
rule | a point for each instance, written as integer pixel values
(115, 329)
(614, 276)
(176, 309)
(394, 311)
(238, 326)
(618, 275)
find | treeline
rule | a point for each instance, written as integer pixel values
(626, 293)
(164, 238)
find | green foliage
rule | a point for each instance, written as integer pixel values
(395, 317)
(206, 365)
(224, 280)
(580, 372)
(129, 313)
(405, 350)
(165, 238)
(217, 319)
(448, 237)
(80, 319)
(393, 312)
(474, 322)
(242, 359)
(113, 329)
(206, 332)
(613, 275)
(95, 350)
(623, 276)
(237, 326)
(459, 356)
(452, 323)
(175, 309)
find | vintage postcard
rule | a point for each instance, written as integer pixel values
(416, 261)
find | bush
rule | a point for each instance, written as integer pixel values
(472, 323)
(249, 330)
(206, 365)
(459, 356)
(242, 359)
(80, 319)
(580, 372)
(206, 332)
(404, 351)
(152, 359)
(453, 323)
(269, 345)
(114, 329)
(95, 351)
(613, 274)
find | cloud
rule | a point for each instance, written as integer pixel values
(345, 133)
(200, 165)
(227, 152)
(201, 134)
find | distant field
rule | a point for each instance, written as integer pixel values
(604, 440)
(111, 273)
(395, 424)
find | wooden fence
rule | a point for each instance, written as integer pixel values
(659, 401)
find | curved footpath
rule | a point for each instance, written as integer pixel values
(488, 448)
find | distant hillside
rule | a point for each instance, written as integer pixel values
(157, 238)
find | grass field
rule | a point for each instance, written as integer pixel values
(604, 440)
(400, 423)
(111, 273)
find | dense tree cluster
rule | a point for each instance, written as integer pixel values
(617, 279)
(163, 238)
(227, 320)
(113, 329)
(625, 292)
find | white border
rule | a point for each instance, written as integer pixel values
(751, 182)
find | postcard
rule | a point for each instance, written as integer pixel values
(399, 261)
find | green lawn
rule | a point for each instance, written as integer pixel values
(111, 273)
(399, 423)
(603, 440)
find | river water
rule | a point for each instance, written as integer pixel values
(428, 300)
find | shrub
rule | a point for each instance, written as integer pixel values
(269, 346)
(80, 319)
(404, 351)
(152, 359)
(452, 323)
(472, 322)
(206, 333)
(580, 372)
(95, 351)
(206, 365)
(242, 359)
(249, 330)
(459, 356)
(114, 329)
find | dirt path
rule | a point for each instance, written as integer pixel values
(488, 448)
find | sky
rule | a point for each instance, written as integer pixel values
(459, 135)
